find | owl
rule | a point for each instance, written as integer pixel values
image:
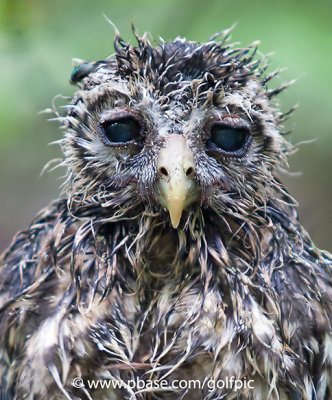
(173, 264)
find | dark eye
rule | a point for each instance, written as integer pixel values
(229, 139)
(121, 131)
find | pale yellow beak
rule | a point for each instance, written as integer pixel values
(176, 184)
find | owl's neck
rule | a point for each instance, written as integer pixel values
(140, 252)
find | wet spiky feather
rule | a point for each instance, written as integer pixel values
(101, 287)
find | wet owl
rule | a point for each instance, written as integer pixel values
(174, 255)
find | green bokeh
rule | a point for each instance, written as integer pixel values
(38, 38)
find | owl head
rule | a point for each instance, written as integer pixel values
(174, 128)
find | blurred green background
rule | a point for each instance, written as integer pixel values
(38, 38)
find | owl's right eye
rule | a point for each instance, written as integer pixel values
(120, 131)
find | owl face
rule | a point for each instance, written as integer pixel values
(179, 127)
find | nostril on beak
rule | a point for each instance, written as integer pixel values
(189, 171)
(163, 171)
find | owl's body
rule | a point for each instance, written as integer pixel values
(175, 254)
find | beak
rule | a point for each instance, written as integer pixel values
(176, 170)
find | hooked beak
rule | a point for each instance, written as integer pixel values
(176, 170)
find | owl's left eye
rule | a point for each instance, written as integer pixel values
(230, 139)
(120, 131)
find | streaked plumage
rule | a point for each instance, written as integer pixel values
(102, 286)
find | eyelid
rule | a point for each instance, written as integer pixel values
(233, 116)
(227, 120)
(122, 114)
(236, 123)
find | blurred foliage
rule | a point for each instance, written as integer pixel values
(38, 38)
